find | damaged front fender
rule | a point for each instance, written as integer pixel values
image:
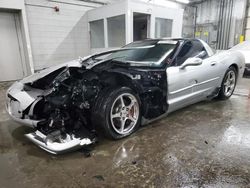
(25, 98)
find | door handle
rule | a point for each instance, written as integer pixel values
(213, 63)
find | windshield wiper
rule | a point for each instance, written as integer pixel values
(115, 58)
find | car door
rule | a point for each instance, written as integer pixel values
(190, 84)
(180, 81)
(207, 75)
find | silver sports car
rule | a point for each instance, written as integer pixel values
(114, 92)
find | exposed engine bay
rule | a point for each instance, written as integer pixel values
(67, 104)
(65, 109)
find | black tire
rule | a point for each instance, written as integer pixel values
(223, 95)
(101, 113)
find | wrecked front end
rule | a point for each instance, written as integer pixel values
(57, 106)
(59, 102)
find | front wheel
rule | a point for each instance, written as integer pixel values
(228, 83)
(120, 114)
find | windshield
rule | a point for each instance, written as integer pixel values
(144, 51)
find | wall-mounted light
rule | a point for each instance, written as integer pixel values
(183, 1)
(56, 8)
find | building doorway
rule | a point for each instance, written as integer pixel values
(141, 23)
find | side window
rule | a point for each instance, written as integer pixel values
(184, 53)
(190, 49)
(198, 48)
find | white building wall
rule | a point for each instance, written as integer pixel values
(60, 36)
(52, 37)
(18, 6)
(127, 8)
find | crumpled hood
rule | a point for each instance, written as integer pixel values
(75, 63)
(45, 72)
(27, 97)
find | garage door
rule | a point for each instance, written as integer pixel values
(10, 48)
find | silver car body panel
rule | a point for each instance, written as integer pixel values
(196, 83)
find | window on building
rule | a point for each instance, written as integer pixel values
(97, 34)
(163, 27)
(116, 31)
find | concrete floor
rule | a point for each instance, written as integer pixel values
(204, 145)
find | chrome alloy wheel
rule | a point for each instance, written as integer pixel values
(124, 113)
(229, 83)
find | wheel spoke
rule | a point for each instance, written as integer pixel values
(225, 89)
(122, 101)
(122, 125)
(232, 86)
(116, 115)
(131, 118)
(226, 83)
(130, 106)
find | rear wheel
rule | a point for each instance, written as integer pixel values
(119, 115)
(228, 83)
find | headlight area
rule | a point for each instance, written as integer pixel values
(64, 116)
(18, 104)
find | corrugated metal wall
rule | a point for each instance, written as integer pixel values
(220, 23)
(188, 27)
(57, 36)
(247, 29)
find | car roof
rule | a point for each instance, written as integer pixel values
(166, 39)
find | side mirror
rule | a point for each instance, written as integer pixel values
(202, 54)
(192, 61)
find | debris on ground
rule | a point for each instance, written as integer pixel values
(134, 162)
(99, 177)
(86, 152)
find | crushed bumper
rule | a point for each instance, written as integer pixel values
(12, 107)
(17, 100)
(70, 144)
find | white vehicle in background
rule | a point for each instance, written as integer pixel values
(244, 48)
